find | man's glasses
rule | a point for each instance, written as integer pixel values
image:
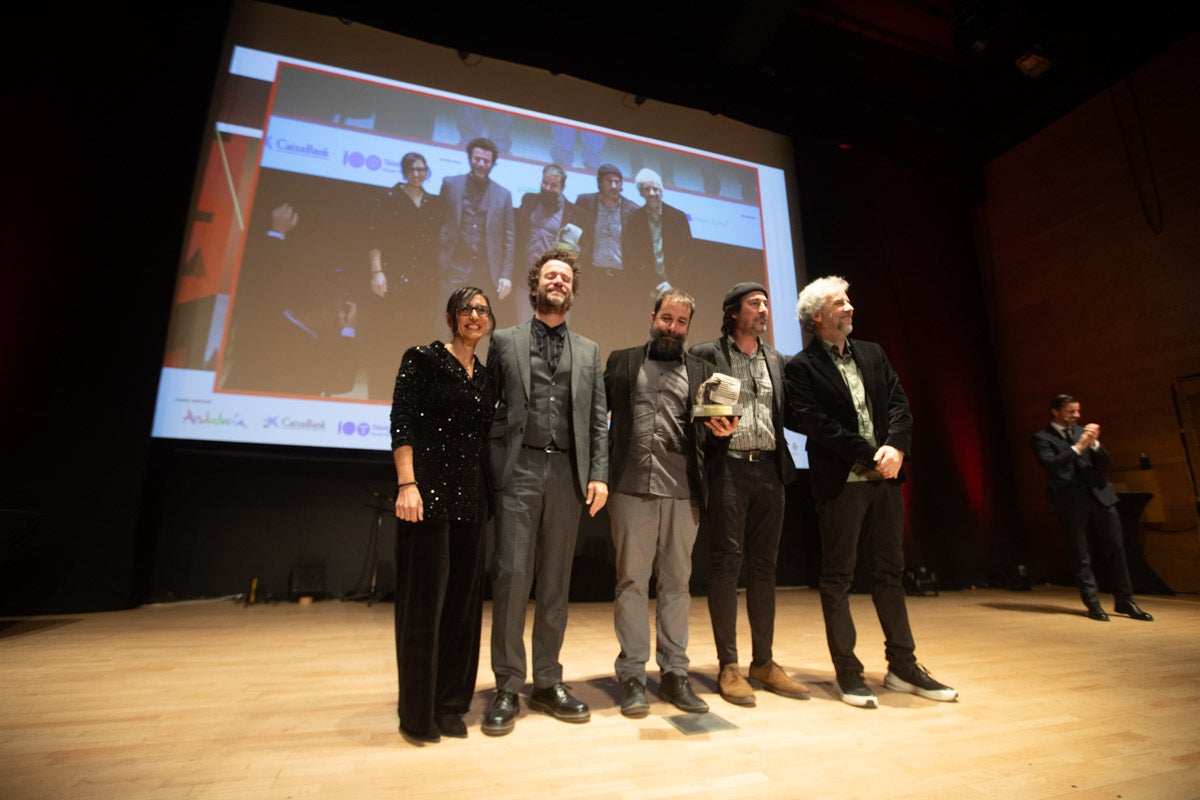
(466, 311)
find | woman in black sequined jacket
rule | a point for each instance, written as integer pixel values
(442, 408)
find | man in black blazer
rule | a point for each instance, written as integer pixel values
(748, 498)
(657, 456)
(603, 218)
(657, 241)
(1079, 493)
(548, 459)
(844, 396)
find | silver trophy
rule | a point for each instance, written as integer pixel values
(718, 396)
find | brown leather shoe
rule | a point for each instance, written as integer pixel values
(772, 678)
(733, 687)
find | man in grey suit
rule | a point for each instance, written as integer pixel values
(1082, 497)
(548, 452)
(748, 498)
(478, 233)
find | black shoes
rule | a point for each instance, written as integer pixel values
(1094, 611)
(1131, 610)
(677, 690)
(501, 716)
(633, 698)
(451, 725)
(558, 703)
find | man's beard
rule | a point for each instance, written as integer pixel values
(665, 345)
(549, 199)
(545, 305)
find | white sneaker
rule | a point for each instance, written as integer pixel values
(917, 680)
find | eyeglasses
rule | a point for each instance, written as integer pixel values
(467, 311)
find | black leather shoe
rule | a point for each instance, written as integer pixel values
(450, 724)
(1097, 613)
(633, 698)
(677, 690)
(1131, 610)
(419, 739)
(558, 703)
(501, 716)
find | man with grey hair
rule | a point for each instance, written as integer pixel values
(657, 238)
(843, 395)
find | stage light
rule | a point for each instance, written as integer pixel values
(922, 582)
(1033, 64)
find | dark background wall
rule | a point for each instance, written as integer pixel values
(97, 516)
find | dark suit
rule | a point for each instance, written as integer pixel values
(819, 405)
(613, 295)
(587, 210)
(1080, 494)
(747, 521)
(538, 500)
(498, 236)
(637, 249)
(653, 533)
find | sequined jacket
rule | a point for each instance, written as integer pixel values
(444, 416)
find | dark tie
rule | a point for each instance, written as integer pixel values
(1067, 433)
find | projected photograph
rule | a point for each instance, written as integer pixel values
(336, 211)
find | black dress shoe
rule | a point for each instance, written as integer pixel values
(419, 739)
(1097, 613)
(1131, 610)
(633, 698)
(558, 703)
(677, 690)
(501, 716)
(450, 724)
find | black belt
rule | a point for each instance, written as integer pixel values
(752, 455)
(547, 449)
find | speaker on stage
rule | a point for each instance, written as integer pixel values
(306, 580)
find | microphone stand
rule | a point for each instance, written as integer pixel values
(383, 506)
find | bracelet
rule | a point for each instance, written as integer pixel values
(400, 486)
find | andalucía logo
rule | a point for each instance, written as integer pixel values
(208, 418)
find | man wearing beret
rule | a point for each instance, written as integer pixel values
(746, 491)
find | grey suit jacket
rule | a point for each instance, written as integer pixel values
(508, 364)
(499, 234)
(716, 352)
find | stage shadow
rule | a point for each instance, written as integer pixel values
(1034, 608)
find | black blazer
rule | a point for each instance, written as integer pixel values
(716, 353)
(620, 384)
(819, 406)
(637, 251)
(587, 209)
(1073, 479)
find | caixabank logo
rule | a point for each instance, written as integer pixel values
(293, 425)
(211, 418)
(294, 148)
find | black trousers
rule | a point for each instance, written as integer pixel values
(866, 517)
(439, 617)
(744, 520)
(1110, 550)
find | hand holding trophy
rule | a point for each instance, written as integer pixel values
(717, 397)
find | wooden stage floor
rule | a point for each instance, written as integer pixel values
(215, 699)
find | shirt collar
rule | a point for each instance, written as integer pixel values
(542, 329)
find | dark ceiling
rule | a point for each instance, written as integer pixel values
(934, 80)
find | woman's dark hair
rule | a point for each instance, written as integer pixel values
(460, 299)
